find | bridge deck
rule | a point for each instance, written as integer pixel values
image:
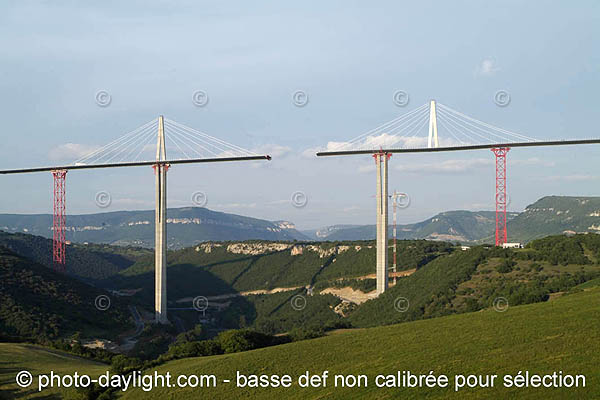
(134, 164)
(460, 148)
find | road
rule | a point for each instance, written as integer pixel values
(130, 341)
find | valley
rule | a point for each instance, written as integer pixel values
(254, 284)
(267, 293)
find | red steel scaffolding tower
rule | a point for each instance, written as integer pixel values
(59, 220)
(501, 199)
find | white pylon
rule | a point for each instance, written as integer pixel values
(433, 133)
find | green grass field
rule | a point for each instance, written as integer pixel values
(589, 284)
(561, 335)
(39, 360)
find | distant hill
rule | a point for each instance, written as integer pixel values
(455, 226)
(550, 215)
(189, 226)
(556, 215)
(323, 233)
(89, 262)
(185, 227)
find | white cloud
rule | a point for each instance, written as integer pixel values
(367, 168)
(447, 166)
(532, 161)
(274, 150)
(487, 67)
(386, 141)
(311, 152)
(278, 202)
(479, 206)
(333, 146)
(455, 165)
(71, 151)
(573, 178)
(458, 165)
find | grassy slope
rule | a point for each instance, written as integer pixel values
(275, 314)
(39, 360)
(589, 284)
(559, 335)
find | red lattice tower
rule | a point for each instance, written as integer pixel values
(59, 220)
(501, 198)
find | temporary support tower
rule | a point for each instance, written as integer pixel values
(59, 220)
(501, 200)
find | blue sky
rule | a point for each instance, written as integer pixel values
(350, 58)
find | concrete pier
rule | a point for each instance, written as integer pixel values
(381, 159)
(160, 235)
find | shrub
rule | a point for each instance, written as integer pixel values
(234, 341)
(536, 267)
(121, 364)
(298, 334)
(505, 266)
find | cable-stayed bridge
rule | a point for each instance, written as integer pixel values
(432, 128)
(137, 148)
(143, 146)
